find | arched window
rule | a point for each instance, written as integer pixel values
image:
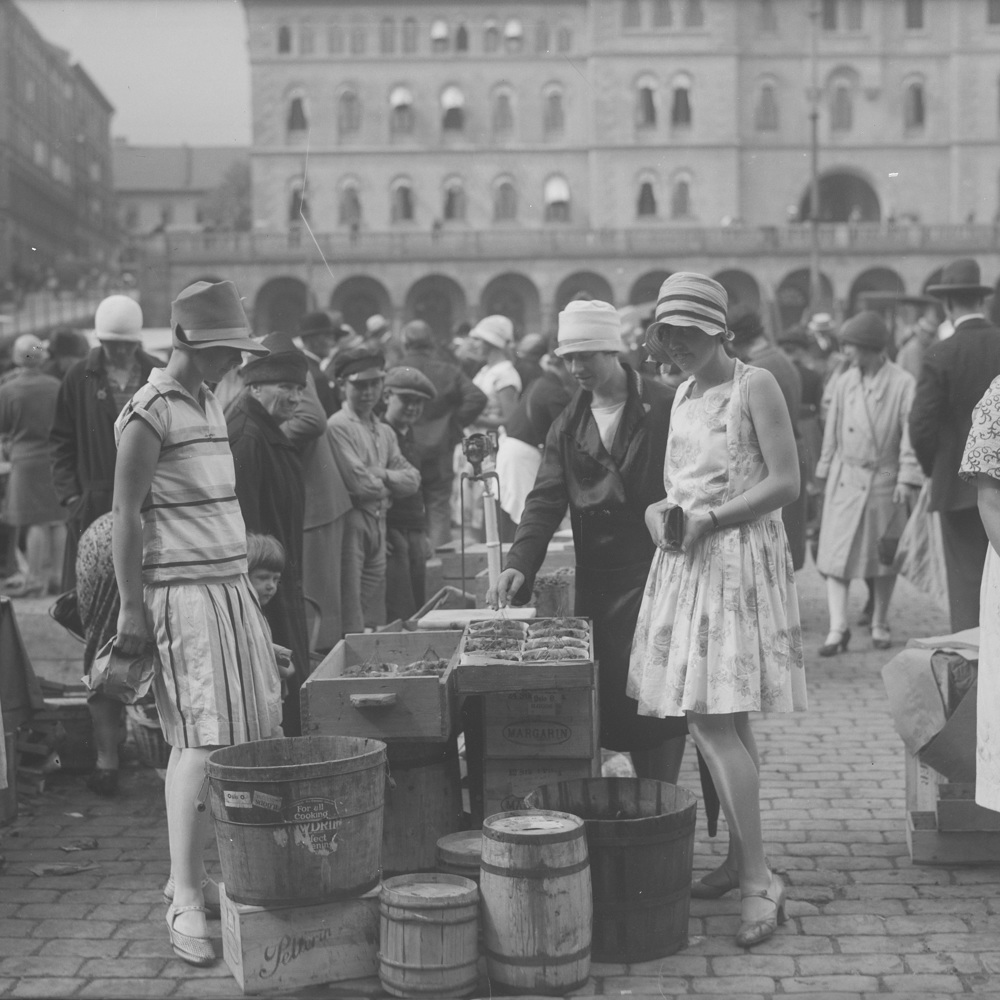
(307, 39)
(766, 115)
(453, 207)
(504, 201)
(854, 14)
(632, 14)
(334, 39)
(913, 105)
(440, 36)
(767, 17)
(557, 201)
(914, 14)
(841, 108)
(349, 206)
(401, 114)
(542, 36)
(284, 39)
(645, 207)
(564, 40)
(387, 36)
(513, 36)
(694, 14)
(554, 116)
(297, 121)
(298, 203)
(453, 105)
(461, 38)
(663, 15)
(503, 113)
(348, 113)
(491, 36)
(402, 201)
(358, 40)
(680, 111)
(680, 199)
(645, 103)
(410, 35)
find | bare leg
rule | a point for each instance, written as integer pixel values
(662, 763)
(836, 598)
(57, 550)
(36, 549)
(106, 720)
(884, 586)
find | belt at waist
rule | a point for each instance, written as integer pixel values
(868, 463)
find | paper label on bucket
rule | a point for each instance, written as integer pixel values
(236, 800)
(315, 825)
(265, 801)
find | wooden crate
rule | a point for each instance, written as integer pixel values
(528, 723)
(290, 947)
(402, 708)
(507, 781)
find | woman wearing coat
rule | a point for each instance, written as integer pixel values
(871, 475)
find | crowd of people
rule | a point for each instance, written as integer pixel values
(240, 508)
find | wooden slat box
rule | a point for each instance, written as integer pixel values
(507, 781)
(401, 708)
(558, 723)
(290, 947)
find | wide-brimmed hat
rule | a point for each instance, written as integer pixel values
(411, 380)
(960, 277)
(208, 314)
(118, 318)
(867, 329)
(820, 323)
(316, 323)
(497, 331)
(590, 325)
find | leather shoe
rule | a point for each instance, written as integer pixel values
(726, 880)
(836, 642)
(104, 782)
(881, 637)
(194, 950)
(753, 932)
(209, 887)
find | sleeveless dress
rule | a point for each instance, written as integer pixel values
(718, 629)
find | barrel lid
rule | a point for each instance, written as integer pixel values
(541, 823)
(463, 848)
(428, 886)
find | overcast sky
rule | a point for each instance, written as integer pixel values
(175, 70)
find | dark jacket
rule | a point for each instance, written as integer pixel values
(407, 513)
(272, 498)
(954, 376)
(537, 409)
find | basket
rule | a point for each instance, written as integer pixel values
(152, 749)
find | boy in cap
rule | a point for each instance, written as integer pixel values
(407, 544)
(374, 471)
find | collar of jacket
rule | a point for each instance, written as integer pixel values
(270, 427)
(583, 428)
(146, 362)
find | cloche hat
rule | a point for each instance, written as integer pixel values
(867, 329)
(497, 331)
(960, 277)
(687, 299)
(118, 319)
(589, 325)
(208, 314)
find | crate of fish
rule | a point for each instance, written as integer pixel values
(385, 685)
(538, 654)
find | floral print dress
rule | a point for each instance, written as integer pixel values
(718, 629)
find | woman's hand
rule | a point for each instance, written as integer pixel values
(696, 526)
(509, 582)
(655, 523)
(132, 634)
(905, 495)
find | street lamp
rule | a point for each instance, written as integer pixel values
(815, 291)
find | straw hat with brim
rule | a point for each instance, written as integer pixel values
(118, 319)
(497, 331)
(960, 277)
(867, 330)
(687, 299)
(821, 323)
(210, 314)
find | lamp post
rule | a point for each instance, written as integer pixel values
(815, 290)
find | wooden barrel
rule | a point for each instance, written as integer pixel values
(640, 836)
(535, 886)
(429, 927)
(298, 820)
(8, 795)
(423, 801)
(460, 853)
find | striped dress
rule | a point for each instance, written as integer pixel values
(218, 683)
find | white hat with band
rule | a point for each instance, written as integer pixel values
(589, 325)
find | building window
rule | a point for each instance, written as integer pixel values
(913, 106)
(680, 199)
(334, 39)
(542, 36)
(694, 14)
(993, 12)
(357, 40)
(680, 111)
(453, 207)
(307, 40)
(914, 14)
(348, 113)
(513, 36)
(766, 116)
(453, 105)
(387, 36)
(401, 118)
(828, 15)
(645, 104)
(646, 205)
(767, 17)
(410, 36)
(554, 119)
(503, 114)
(632, 14)
(349, 207)
(439, 36)
(854, 14)
(402, 202)
(284, 39)
(564, 40)
(663, 15)
(491, 37)
(297, 121)
(298, 203)
(505, 202)
(556, 199)
(841, 109)
(462, 39)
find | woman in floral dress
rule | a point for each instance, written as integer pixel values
(718, 634)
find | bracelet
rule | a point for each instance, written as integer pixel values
(715, 520)
(753, 513)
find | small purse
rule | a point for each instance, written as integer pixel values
(123, 677)
(673, 527)
(66, 611)
(889, 542)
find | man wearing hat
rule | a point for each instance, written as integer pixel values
(271, 490)
(378, 337)
(375, 472)
(90, 398)
(407, 390)
(320, 335)
(953, 377)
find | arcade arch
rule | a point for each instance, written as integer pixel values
(516, 297)
(358, 297)
(592, 284)
(439, 301)
(840, 193)
(279, 305)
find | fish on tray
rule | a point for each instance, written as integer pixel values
(567, 653)
(557, 642)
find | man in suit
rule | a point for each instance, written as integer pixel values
(953, 377)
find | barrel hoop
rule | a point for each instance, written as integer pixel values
(535, 872)
(539, 960)
(436, 967)
(328, 897)
(503, 837)
(626, 843)
(232, 821)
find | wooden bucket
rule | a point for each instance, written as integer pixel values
(535, 885)
(423, 801)
(640, 836)
(298, 820)
(8, 795)
(429, 927)
(460, 854)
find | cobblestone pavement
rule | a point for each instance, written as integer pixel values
(863, 920)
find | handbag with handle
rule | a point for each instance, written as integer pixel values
(66, 611)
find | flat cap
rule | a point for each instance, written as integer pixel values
(405, 379)
(350, 363)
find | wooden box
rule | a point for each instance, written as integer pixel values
(507, 781)
(290, 947)
(406, 708)
(529, 723)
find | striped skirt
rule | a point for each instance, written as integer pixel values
(218, 682)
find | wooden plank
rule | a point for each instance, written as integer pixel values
(529, 723)
(964, 815)
(507, 781)
(930, 846)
